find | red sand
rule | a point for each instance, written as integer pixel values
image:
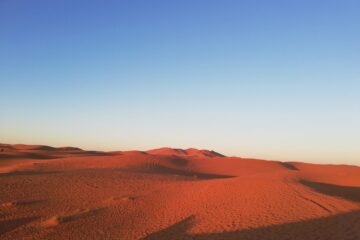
(68, 193)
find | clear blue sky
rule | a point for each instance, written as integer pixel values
(266, 79)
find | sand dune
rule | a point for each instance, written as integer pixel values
(184, 152)
(69, 193)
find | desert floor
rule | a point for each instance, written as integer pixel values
(68, 193)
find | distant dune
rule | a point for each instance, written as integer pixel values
(188, 152)
(166, 193)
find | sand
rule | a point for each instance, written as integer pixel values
(69, 193)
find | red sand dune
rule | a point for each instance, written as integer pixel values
(181, 152)
(69, 193)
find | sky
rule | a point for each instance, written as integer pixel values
(261, 79)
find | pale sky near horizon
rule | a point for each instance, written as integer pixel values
(263, 79)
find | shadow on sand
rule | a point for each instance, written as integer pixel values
(156, 168)
(10, 225)
(289, 166)
(346, 192)
(29, 173)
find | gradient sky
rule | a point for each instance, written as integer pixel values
(264, 79)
